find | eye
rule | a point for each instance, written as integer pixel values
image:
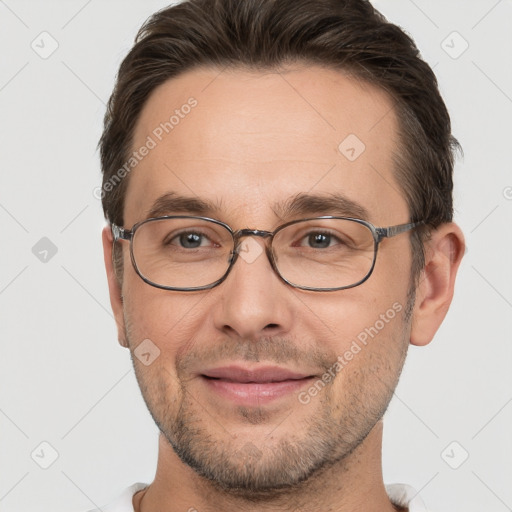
(190, 240)
(319, 240)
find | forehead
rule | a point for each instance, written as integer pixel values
(247, 141)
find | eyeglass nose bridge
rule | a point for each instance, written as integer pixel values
(242, 233)
(237, 235)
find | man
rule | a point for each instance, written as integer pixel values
(257, 155)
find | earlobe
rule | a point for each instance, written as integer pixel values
(434, 292)
(114, 286)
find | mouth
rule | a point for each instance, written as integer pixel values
(256, 386)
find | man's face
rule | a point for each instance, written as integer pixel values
(254, 142)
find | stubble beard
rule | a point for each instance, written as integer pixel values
(263, 470)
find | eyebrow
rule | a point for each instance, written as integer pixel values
(300, 205)
(172, 203)
(320, 204)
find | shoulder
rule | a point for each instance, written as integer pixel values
(123, 502)
(404, 495)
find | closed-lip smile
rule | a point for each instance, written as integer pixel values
(254, 386)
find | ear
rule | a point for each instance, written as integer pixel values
(114, 287)
(434, 292)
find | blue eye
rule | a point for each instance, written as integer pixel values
(319, 240)
(190, 240)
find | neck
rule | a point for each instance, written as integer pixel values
(354, 483)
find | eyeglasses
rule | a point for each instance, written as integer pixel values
(188, 253)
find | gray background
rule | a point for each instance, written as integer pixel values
(64, 379)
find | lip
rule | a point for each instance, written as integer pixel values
(254, 386)
(262, 374)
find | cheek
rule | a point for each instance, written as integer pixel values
(370, 362)
(366, 333)
(170, 320)
(354, 314)
(392, 272)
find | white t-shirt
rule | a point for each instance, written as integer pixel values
(400, 494)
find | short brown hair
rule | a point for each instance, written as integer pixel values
(348, 35)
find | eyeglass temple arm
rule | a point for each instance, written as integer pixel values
(120, 233)
(395, 230)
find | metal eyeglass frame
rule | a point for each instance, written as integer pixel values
(379, 233)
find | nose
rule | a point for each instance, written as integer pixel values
(253, 301)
